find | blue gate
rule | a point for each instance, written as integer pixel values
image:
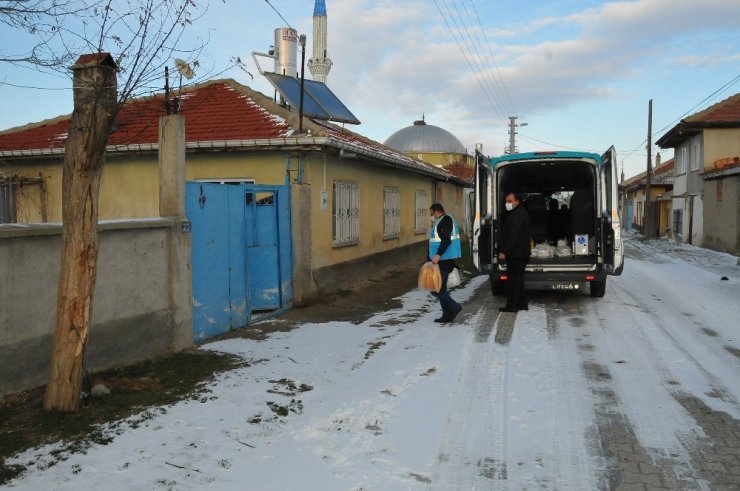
(241, 254)
(628, 225)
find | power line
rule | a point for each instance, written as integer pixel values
(485, 61)
(723, 88)
(466, 45)
(281, 15)
(493, 58)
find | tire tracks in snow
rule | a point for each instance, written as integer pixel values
(472, 448)
(642, 428)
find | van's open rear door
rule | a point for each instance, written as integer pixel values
(611, 232)
(482, 226)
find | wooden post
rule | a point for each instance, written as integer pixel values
(95, 106)
(648, 221)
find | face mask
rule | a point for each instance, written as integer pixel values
(509, 206)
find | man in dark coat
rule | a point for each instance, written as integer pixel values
(515, 251)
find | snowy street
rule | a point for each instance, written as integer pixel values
(637, 390)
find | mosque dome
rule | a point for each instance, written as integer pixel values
(425, 138)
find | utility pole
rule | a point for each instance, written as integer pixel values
(512, 134)
(302, 41)
(648, 220)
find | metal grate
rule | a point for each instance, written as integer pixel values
(391, 213)
(346, 213)
(421, 212)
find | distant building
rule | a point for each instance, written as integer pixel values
(429, 143)
(706, 193)
(661, 194)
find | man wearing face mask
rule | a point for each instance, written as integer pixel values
(515, 250)
(444, 248)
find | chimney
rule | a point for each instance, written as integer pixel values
(657, 160)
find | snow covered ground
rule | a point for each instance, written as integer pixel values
(544, 399)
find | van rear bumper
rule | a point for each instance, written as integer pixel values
(563, 281)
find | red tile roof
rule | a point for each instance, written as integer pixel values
(724, 114)
(663, 175)
(213, 111)
(218, 114)
(727, 110)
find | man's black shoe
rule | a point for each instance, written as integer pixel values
(444, 318)
(451, 316)
(508, 309)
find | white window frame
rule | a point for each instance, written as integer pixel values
(695, 154)
(391, 213)
(345, 213)
(422, 212)
(681, 160)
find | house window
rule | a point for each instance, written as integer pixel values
(346, 213)
(677, 221)
(422, 212)
(719, 189)
(7, 203)
(695, 156)
(681, 161)
(391, 213)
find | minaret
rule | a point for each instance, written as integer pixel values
(319, 64)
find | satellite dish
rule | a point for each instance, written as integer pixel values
(184, 69)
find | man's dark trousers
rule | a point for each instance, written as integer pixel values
(445, 301)
(516, 297)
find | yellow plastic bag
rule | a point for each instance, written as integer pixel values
(430, 277)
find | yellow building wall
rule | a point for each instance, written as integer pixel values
(263, 167)
(441, 159)
(129, 186)
(371, 180)
(30, 204)
(720, 143)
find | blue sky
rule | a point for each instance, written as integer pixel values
(579, 73)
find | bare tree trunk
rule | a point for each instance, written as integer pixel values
(94, 109)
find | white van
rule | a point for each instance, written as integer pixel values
(572, 202)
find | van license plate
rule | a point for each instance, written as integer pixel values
(566, 286)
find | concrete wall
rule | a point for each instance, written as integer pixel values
(139, 307)
(305, 289)
(722, 218)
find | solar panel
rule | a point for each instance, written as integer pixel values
(318, 100)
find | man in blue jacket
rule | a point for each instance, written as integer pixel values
(444, 248)
(515, 251)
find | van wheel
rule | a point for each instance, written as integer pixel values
(498, 289)
(598, 288)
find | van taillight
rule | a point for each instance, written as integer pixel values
(590, 277)
(503, 277)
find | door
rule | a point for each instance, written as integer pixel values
(220, 303)
(268, 246)
(241, 254)
(482, 226)
(611, 235)
(630, 215)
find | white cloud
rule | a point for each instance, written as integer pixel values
(402, 57)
